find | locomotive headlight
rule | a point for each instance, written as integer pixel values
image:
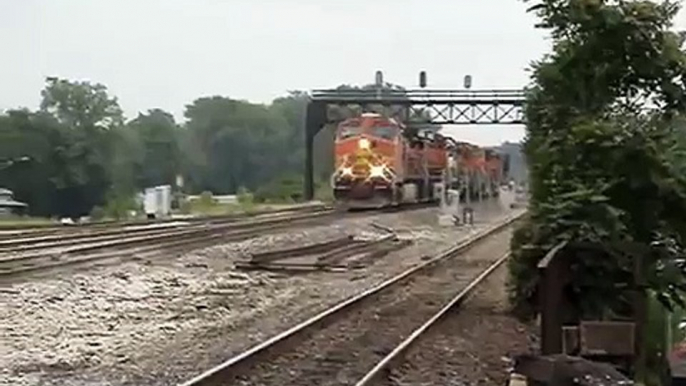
(377, 171)
(364, 144)
(347, 171)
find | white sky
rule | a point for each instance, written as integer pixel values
(165, 53)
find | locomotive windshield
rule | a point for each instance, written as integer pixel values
(349, 130)
(384, 132)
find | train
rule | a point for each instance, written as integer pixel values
(379, 162)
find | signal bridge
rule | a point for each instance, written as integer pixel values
(416, 107)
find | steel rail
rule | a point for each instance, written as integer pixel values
(89, 242)
(215, 375)
(377, 371)
(176, 238)
(159, 227)
(29, 242)
(139, 244)
(102, 238)
(55, 227)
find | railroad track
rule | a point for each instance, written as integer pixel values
(24, 257)
(21, 244)
(8, 234)
(338, 254)
(341, 345)
(85, 251)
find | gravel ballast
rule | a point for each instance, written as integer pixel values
(472, 346)
(162, 321)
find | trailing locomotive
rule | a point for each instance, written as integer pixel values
(477, 172)
(378, 162)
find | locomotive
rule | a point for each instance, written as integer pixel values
(379, 162)
(479, 172)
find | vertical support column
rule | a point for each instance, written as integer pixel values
(309, 167)
(315, 118)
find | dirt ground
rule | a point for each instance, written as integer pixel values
(472, 346)
(162, 321)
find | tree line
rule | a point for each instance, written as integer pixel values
(77, 151)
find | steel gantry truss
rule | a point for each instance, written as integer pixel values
(412, 107)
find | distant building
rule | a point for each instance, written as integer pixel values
(8, 205)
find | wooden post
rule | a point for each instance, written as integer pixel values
(554, 275)
(640, 318)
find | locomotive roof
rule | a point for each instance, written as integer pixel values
(437, 136)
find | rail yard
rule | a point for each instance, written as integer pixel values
(159, 309)
(323, 291)
(210, 229)
(21, 256)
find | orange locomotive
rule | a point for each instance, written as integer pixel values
(479, 171)
(378, 163)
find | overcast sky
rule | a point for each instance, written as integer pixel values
(165, 53)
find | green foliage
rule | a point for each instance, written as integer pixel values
(244, 196)
(82, 151)
(97, 213)
(118, 207)
(68, 143)
(159, 154)
(185, 207)
(206, 199)
(81, 105)
(205, 204)
(602, 169)
(80, 148)
(323, 192)
(656, 341)
(234, 143)
(285, 189)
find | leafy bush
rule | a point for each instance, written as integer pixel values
(118, 207)
(185, 207)
(601, 168)
(286, 189)
(206, 199)
(244, 196)
(97, 213)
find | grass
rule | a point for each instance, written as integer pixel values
(201, 208)
(23, 221)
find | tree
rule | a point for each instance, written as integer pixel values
(40, 139)
(81, 104)
(602, 167)
(86, 113)
(233, 143)
(69, 144)
(158, 135)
